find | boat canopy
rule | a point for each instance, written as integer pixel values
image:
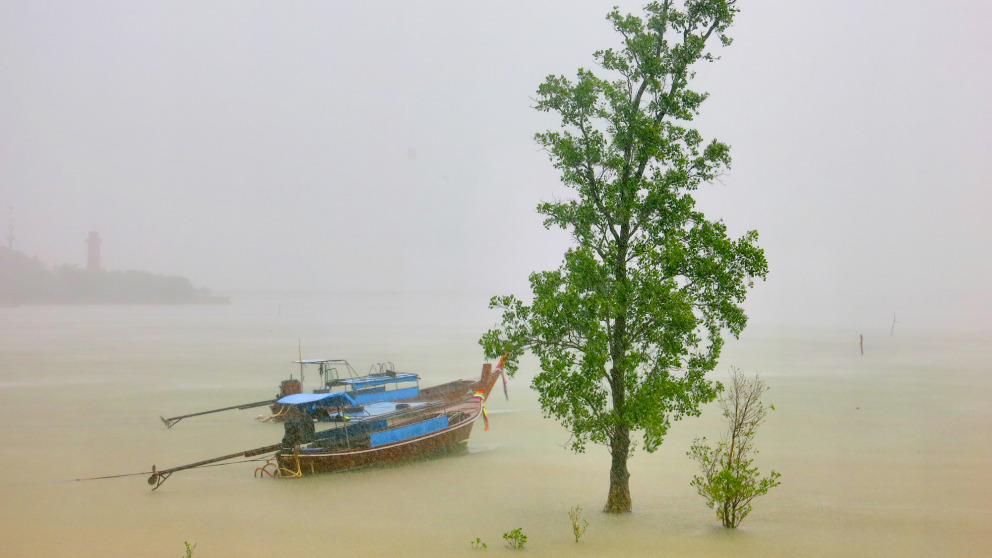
(387, 407)
(336, 399)
(376, 394)
(379, 379)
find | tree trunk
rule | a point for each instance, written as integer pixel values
(618, 500)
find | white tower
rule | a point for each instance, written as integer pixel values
(10, 229)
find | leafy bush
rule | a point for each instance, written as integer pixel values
(729, 480)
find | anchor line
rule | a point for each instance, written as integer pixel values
(152, 472)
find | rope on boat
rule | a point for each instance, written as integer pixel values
(276, 470)
(264, 470)
(281, 412)
(151, 472)
(115, 476)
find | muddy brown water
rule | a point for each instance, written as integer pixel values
(886, 454)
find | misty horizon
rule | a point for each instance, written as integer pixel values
(255, 147)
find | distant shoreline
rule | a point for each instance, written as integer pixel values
(27, 281)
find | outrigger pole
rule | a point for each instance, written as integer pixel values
(158, 477)
(169, 422)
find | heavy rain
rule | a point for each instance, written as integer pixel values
(317, 180)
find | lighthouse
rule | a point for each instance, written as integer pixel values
(10, 229)
(93, 254)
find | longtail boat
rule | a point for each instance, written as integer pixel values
(382, 383)
(443, 428)
(370, 434)
(377, 386)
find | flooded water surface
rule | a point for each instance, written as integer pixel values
(885, 454)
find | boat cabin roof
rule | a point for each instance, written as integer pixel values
(330, 375)
(375, 410)
(335, 399)
(378, 379)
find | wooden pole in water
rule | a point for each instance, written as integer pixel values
(862, 344)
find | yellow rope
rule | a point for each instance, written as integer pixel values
(273, 470)
(264, 469)
(281, 412)
(290, 473)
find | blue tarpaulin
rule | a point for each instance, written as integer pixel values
(353, 429)
(408, 431)
(336, 399)
(381, 408)
(394, 395)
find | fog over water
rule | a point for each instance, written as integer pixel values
(316, 146)
(882, 455)
(360, 179)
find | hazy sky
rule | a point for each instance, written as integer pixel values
(388, 146)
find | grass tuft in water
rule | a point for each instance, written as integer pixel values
(515, 539)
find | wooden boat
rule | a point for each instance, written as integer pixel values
(376, 433)
(382, 383)
(404, 431)
(430, 433)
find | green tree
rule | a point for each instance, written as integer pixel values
(629, 324)
(729, 480)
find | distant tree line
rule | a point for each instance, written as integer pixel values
(25, 280)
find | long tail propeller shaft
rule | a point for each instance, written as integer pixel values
(169, 422)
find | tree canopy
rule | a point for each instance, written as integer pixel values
(628, 326)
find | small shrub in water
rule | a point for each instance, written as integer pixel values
(189, 549)
(579, 525)
(515, 539)
(477, 544)
(729, 481)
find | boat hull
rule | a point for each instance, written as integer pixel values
(305, 462)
